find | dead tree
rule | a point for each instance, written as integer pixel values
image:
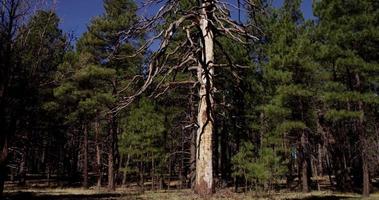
(201, 23)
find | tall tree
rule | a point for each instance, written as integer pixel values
(348, 42)
(201, 22)
(290, 79)
(30, 52)
(104, 42)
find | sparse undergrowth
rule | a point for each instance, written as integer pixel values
(123, 194)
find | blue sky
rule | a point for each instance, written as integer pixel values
(76, 14)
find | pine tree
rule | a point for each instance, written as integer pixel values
(291, 77)
(30, 52)
(41, 48)
(105, 43)
(142, 139)
(348, 53)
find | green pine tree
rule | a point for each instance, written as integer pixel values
(348, 35)
(290, 80)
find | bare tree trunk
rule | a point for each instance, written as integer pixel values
(125, 172)
(3, 161)
(319, 162)
(152, 173)
(111, 153)
(111, 185)
(366, 178)
(193, 160)
(142, 176)
(22, 172)
(181, 172)
(192, 173)
(364, 157)
(98, 154)
(363, 143)
(85, 157)
(204, 169)
(304, 165)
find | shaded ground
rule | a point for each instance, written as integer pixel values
(91, 194)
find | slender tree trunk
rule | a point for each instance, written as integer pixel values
(223, 156)
(22, 172)
(319, 160)
(111, 153)
(142, 176)
(3, 163)
(193, 160)
(152, 173)
(304, 164)
(363, 143)
(366, 177)
(365, 169)
(329, 167)
(48, 175)
(85, 157)
(125, 173)
(181, 171)
(204, 169)
(98, 154)
(192, 174)
(111, 185)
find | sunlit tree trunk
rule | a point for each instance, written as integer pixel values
(204, 170)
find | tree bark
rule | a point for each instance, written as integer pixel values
(3, 163)
(304, 164)
(193, 160)
(85, 157)
(192, 173)
(111, 155)
(204, 169)
(363, 143)
(98, 154)
(366, 177)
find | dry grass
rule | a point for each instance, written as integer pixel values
(126, 194)
(226, 195)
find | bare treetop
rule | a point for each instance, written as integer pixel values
(174, 18)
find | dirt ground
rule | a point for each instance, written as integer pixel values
(120, 194)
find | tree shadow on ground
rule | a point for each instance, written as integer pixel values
(36, 196)
(332, 197)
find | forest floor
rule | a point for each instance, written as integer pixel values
(186, 194)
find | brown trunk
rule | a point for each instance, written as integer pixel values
(48, 176)
(192, 174)
(181, 171)
(204, 170)
(366, 179)
(111, 153)
(111, 185)
(328, 165)
(152, 173)
(125, 173)
(22, 172)
(365, 168)
(303, 165)
(363, 140)
(142, 177)
(319, 160)
(3, 164)
(193, 160)
(85, 157)
(98, 154)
